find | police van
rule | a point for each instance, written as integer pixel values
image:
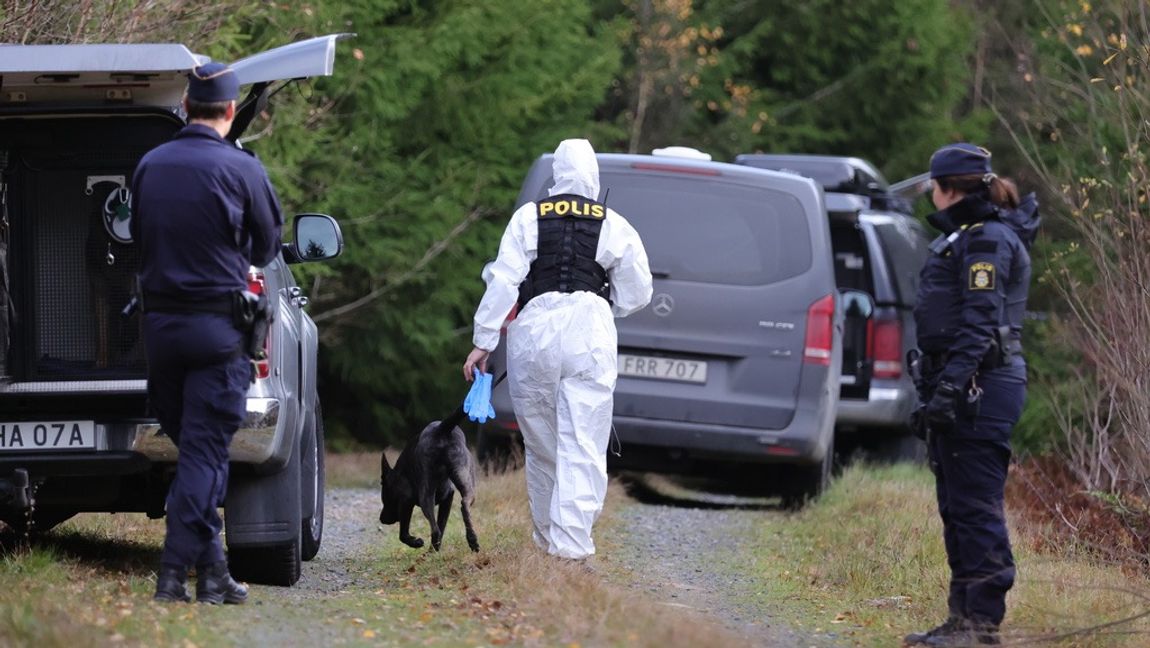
(76, 434)
(734, 366)
(879, 248)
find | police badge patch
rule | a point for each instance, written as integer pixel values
(982, 276)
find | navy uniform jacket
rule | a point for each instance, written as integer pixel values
(203, 211)
(977, 284)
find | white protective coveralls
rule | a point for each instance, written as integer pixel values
(561, 359)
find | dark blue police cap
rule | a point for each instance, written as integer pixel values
(959, 159)
(213, 82)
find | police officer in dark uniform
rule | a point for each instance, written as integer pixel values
(203, 212)
(972, 378)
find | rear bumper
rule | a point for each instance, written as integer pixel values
(720, 442)
(887, 406)
(254, 443)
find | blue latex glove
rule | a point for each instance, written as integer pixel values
(477, 405)
(487, 397)
(475, 385)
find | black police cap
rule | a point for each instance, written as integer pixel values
(213, 82)
(960, 159)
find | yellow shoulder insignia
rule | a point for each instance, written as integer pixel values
(981, 276)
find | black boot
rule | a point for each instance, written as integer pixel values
(215, 585)
(172, 585)
(970, 634)
(952, 625)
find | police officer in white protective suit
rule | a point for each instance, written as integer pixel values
(572, 265)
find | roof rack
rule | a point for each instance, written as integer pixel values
(836, 174)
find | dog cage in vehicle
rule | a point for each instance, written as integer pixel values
(71, 263)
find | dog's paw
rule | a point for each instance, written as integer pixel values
(473, 541)
(412, 541)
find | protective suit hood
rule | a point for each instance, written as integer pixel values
(1024, 220)
(575, 169)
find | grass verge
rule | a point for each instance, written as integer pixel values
(867, 561)
(89, 583)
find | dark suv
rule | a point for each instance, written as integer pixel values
(75, 430)
(735, 363)
(879, 248)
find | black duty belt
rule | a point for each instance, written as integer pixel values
(222, 305)
(935, 362)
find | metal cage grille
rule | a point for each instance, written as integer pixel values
(79, 276)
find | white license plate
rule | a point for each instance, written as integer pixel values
(22, 436)
(663, 368)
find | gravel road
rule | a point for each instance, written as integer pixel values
(683, 551)
(677, 552)
(342, 565)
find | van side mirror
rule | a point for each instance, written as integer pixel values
(317, 237)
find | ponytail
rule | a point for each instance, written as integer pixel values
(1003, 192)
(1000, 191)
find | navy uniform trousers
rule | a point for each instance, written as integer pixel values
(197, 384)
(970, 466)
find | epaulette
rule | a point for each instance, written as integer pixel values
(941, 245)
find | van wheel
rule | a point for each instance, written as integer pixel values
(807, 482)
(274, 565)
(498, 453)
(313, 477)
(901, 448)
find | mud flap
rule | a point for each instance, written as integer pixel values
(263, 523)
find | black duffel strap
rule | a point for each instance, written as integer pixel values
(221, 305)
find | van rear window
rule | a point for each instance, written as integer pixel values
(711, 230)
(906, 245)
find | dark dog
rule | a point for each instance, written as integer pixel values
(428, 472)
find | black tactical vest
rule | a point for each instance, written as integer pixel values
(569, 227)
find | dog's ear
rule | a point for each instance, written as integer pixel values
(384, 467)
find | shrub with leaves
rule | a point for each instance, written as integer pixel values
(1085, 131)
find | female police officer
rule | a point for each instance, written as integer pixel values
(971, 298)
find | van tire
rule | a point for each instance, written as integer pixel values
(807, 482)
(498, 453)
(263, 506)
(274, 565)
(313, 476)
(901, 448)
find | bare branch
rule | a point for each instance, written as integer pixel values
(391, 283)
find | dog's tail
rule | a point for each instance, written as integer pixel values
(456, 417)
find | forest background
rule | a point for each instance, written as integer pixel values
(419, 141)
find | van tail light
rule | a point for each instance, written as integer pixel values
(510, 317)
(887, 348)
(820, 332)
(256, 285)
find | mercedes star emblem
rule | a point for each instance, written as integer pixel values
(662, 304)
